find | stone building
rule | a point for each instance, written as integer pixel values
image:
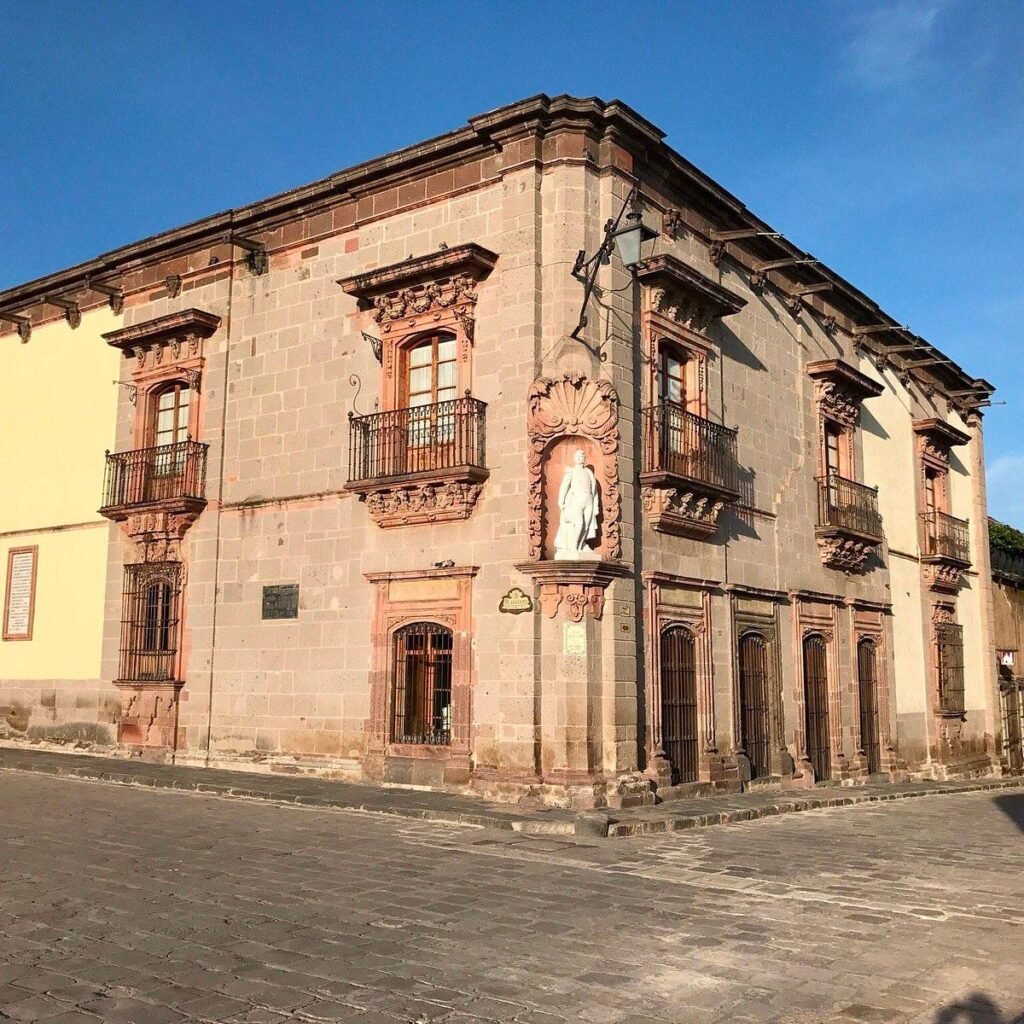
(344, 431)
(1008, 607)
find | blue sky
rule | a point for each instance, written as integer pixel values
(884, 136)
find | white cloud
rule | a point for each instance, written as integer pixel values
(890, 43)
(1005, 479)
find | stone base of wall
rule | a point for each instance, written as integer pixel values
(59, 711)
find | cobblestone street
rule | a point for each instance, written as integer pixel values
(125, 905)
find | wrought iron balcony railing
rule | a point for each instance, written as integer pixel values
(689, 446)
(847, 505)
(401, 442)
(947, 536)
(145, 475)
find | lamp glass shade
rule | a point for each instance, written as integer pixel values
(630, 237)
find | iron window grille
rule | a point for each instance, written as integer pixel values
(754, 702)
(816, 707)
(949, 644)
(422, 705)
(150, 618)
(679, 703)
(867, 685)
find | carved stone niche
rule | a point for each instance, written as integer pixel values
(689, 473)
(565, 414)
(945, 539)
(408, 301)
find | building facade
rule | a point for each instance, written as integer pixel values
(1006, 547)
(342, 477)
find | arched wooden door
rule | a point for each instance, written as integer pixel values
(867, 686)
(679, 702)
(754, 714)
(816, 707)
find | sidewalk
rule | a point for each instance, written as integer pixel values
(468, 810)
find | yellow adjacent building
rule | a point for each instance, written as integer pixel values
(59, 404)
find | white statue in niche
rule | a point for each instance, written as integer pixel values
(579, 505)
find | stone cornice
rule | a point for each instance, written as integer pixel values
(483, 136)
(449, 572)
(186, 323)
(837, 371)
(473, 260)
(941, 433)
(665, 271)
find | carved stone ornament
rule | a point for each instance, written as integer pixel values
(443, 501)
(943, 577)
(836, 402)
(943, 614)
(577, 599)
(569, 406)
(158, 534)
(681, 512)
(683, 309)
(424, 298)
(672, 223)
(825, 633)
(839, 389)
(844, 553)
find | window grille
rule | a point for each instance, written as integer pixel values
(679, 702)
(422, 708)
(149, 621)
(867, 685)
(754, 712)
(949, 643)
(816, 707)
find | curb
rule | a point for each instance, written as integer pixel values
(617, 828)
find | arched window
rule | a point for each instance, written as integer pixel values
(816, 706)
(149, 622)
(679, 702)
(867, 687)
(431, 371)
(169, 414)
(671, 374)
(754, 702)
(421, 710)
(430, 381)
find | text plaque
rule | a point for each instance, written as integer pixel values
(281, 601)
(515, 602)
(574, 640)
(19, 601)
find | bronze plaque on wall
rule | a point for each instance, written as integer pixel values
(281, 602)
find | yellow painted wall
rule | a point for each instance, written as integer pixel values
(57, 416)
(57, 409)
(889, 461)
(67, 633)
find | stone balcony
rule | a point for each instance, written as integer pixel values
(419, 465)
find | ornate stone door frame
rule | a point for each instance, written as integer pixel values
(680, 601)
(442, 596)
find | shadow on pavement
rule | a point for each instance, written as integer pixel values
(977, 1008)
(1012, 805)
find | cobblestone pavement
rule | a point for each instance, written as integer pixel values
(128, 905)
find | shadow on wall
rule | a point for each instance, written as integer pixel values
(731, 346)
(871, 425)
(977, 1008)
(1012, 805)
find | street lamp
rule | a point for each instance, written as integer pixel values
(626, 238)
